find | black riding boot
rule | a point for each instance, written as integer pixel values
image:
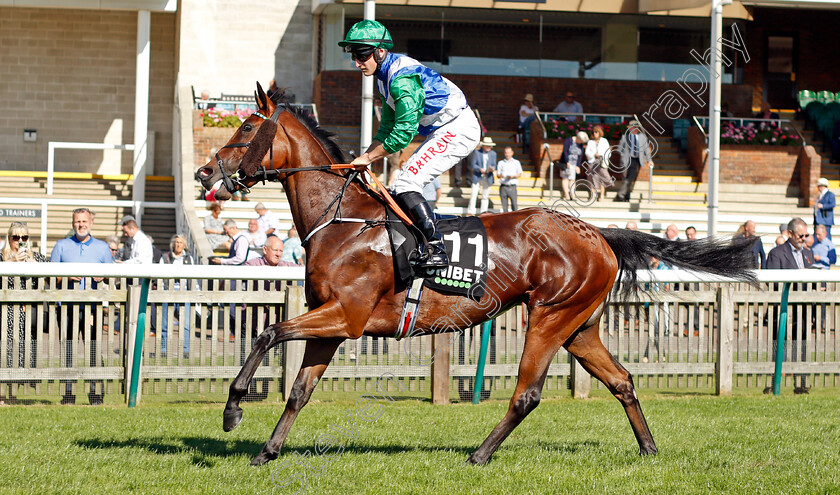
(421, 213)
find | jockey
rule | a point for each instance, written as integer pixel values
(417, 100)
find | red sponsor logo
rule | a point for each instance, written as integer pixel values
(436, 148)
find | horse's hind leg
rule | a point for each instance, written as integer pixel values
(315, 360)
(587, 347)
(541, 344)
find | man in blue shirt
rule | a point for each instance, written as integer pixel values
(825, 253)
(81, 247)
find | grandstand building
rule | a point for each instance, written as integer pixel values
(78, 72)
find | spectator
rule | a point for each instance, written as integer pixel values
(783, 231)
(781, 240)
(272, 256)
(157, 254)
(204, 103)
(631, 225)
(824, 208)
(612, 226)
(267, 221)
(748, 231)
(527, 114)
(597, 157)
(724, 111)
(824, 251)
(483, 163)
(238, 247)
(672, 233)
(256, 239)
(177, 255)
(431, 192)
(792, 255)
(292, 248)
(82, 247)
(114, 245)
(16, 249)
(571, 160)
(635, 151)
(766, 113)
(142, 251)
(508, 171)
(215, 230)
(691, 234)
(569, 105)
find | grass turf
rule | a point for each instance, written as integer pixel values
(743, 444)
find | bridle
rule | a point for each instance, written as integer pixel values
(232, 181)
(264, 138)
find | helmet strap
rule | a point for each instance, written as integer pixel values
(378, 60)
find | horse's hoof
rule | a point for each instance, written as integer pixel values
(262, 458)
(477, 460)
(232, 418)
(648, 451)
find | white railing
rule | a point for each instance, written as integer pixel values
(690, 330)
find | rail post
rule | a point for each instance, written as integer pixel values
(780, 340)
(486, 329)
(139, 332)
(295, 305)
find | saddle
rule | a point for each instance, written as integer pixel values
(466, 246)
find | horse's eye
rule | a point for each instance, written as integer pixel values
(247, 128)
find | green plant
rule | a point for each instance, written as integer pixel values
(215, 117)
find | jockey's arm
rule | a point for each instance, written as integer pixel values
(399, 124)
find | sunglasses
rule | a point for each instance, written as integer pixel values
(361, 56)
(18, 238)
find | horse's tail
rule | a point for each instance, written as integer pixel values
(720, 256)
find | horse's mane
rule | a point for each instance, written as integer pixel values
(326, 137)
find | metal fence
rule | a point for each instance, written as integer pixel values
(58, 340)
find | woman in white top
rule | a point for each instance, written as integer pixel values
(596, 150)
(178, 255)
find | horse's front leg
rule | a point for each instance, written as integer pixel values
(316, 358)
(325, 322)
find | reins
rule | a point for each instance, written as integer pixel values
(263, 143)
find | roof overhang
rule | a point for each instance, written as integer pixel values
(151, 5)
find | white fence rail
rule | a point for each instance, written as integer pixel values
(688, 331)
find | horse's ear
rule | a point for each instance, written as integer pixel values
(262, 98)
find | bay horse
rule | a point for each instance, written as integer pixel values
(561, 267)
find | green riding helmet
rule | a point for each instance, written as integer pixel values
(367, 33)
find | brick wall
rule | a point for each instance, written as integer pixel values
(69, 74)
(797, 166)
(207, 138)
(498, 98)
(753, 164)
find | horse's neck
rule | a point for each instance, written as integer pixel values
(310, 193)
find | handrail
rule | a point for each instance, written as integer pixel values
(250, 104)
(54, 145)
(184, 157)
(583, 116)
(239, 272)
(700, 126)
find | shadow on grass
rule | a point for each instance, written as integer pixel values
(203, 450)
(14, 401)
